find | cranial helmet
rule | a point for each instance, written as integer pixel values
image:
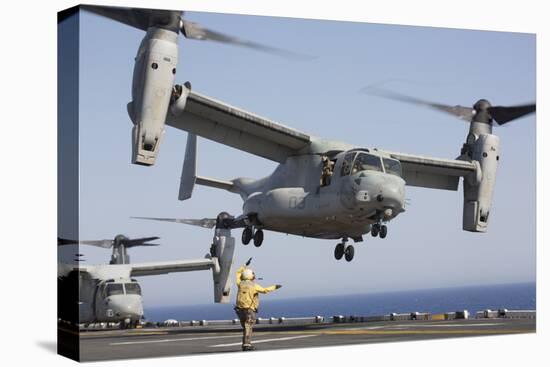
(247, 274)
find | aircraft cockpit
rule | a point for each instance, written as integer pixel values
(357, 161)
(110, 288)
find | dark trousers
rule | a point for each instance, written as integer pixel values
(247, 316)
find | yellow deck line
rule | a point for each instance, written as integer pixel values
(425, 332)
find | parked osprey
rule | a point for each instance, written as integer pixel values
(322, 188)
(110, 292)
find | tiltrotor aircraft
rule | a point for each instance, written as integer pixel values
(109, 293)
(321, 188)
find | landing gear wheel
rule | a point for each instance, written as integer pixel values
(383, 231)
(247, 235)
(349, 252)
(258, 238)
(375, 230)
(339, 251)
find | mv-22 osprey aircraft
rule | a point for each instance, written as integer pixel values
(321, 188)
(110, 292)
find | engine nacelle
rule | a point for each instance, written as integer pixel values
(478, 188)
(154, 74)
(223, 248)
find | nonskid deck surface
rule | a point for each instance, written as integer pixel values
(170, 341)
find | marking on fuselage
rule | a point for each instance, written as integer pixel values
(265, 340)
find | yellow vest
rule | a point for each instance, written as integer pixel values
(247, 295)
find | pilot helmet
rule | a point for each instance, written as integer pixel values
(247, 274)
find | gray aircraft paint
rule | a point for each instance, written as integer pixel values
(97, 304)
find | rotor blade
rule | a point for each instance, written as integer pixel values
(195, 31)
(503, 115)
(141, 244)
(136, 241)
(97, 243)
(204, 223)
(465, 113)
(139, 18)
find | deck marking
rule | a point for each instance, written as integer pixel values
(92, 334)
(265, 340)
(455, 325)
(427, 332)
(177, 339)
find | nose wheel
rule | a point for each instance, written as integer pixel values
(250, 235)
(341, 250)
(378, 229)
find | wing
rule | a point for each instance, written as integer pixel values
(434, 173)
(165, 267)
(64, 269)
(225, 124)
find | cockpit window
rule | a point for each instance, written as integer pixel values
(365, 161)
(392, 167)
(346, 164)
(114, 289)
(132, 288)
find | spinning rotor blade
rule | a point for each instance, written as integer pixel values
(204, 223)
(465, 113)
(192, 30)
(97, 243)
(139, 18)
(503, 115)
(500, 114)
(140, 242)
(173, 20)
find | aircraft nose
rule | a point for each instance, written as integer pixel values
(392, 195)
(385, 192)
(129, 306)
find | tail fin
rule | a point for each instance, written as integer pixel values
(189, 170)
(189, 173)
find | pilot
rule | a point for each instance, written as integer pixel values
(248, 301)
(328, 167)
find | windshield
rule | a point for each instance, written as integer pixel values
(364, 161)
(392, 166)
(132, 288)
(346, 164)
(114, 289)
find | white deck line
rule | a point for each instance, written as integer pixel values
(264, 341)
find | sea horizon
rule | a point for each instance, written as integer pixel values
(434, 300)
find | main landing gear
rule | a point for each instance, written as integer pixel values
(342, 250)
(378, 229)
(249, 234)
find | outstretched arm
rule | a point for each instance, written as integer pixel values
(263, 290)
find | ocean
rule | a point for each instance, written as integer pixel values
(511, 296)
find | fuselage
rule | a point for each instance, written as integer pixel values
(364, 187)
(110, 300)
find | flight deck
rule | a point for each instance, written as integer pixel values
(97, 345)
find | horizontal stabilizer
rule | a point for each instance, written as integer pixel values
(218, 184)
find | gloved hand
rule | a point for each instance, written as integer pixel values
(248, 262)
(277, 286)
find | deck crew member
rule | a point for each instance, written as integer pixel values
(248, 301)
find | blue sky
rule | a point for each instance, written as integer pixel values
(425, 246)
